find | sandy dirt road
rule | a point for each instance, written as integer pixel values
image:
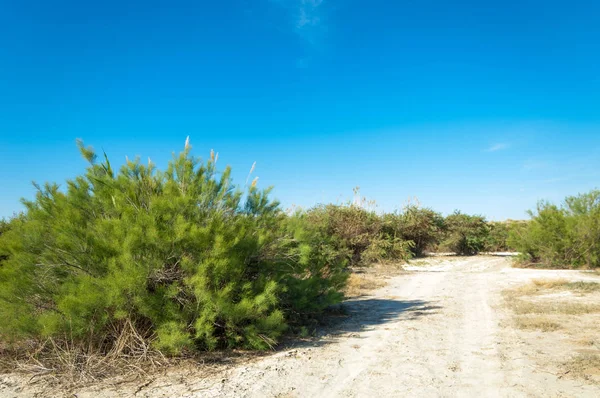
(437, 331)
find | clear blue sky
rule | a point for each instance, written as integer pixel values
(485, 106)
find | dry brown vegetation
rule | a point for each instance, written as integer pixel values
(69, 364)
(537, 323)
(54, 368)
(362, 284)
(567, 307)
(585, 366)
(543, 285)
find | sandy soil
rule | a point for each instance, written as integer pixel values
(440, 330)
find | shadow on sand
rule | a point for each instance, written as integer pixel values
(362, 314)
(348, 320)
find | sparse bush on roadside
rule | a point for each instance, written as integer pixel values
(466, 234)
(181, 258)
(498, 239)
(566, 236)
(421, 226)
(352, 227)
(358, 234)
(387, 248)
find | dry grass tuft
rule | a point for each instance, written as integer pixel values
(586, 366)
(523, 307)
(362, 284)
(548, 315)
(542, 323)
(61, 362)
(538, 286)
(419, 263)
(583, 287)
(589, 342)
(550, 305)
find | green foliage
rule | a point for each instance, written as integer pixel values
(184, 256)
(387, 248)
(352, 228)
(499, 235)
(563, 236)
(358, 234)
(4, 227)
(421, 226)
(466, 234)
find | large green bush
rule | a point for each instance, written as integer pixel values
(182, 256)
(563, 236)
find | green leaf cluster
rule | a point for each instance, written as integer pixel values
(565, 236)
(466, 234)
(362, 236)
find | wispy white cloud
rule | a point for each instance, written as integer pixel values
(308, 13)
(498, 147)
(306, 17)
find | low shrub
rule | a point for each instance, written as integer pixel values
(465, 234)
(358, 234)
(498, 239)
(566, 236)
(421, 226)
